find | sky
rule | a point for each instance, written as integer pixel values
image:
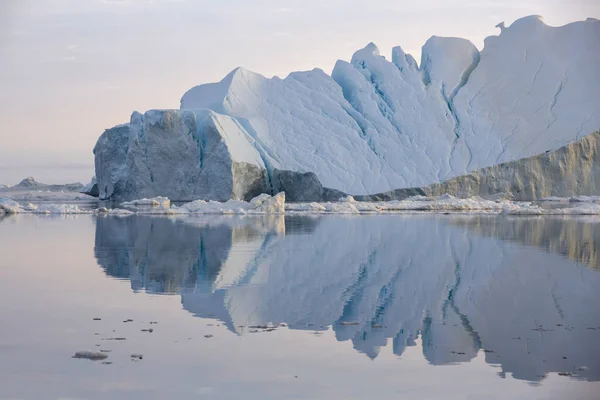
(71, 68)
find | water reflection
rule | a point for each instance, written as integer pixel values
(575, 237)
(462, 284)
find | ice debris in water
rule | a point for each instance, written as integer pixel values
(153, 202)
(444, 203)
(262, 204)
(90, 355)
(9, 206)
(266, 204)
(574, 199)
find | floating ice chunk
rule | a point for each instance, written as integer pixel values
(305, 207)
(90, 355)
(583, 209)
(60, 209)
(332, 208)
(153, 202)
(9, 206)
(555, 199)
(114, 211)
(265, 204)
(524, 209)
(584, 199)
(262, 204)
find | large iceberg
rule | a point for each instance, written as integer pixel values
(372, 126)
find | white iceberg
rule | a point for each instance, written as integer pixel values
(373, 126)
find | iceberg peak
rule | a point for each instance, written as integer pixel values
(403, 60)
(368, 51)
(526, 23)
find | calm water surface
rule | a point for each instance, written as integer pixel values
(397, 306)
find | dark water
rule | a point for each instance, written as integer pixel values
(397, 306)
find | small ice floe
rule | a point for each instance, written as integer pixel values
(529, 209)
(9, 206)
(90, 355)
(12, 207)
(555, 199)
(61, 209)
(152, 202)
(114, 211)
(262, 204)
(584, 199)
(444, 203)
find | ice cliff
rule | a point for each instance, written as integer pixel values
(183, 155)
(568, 171)
(373, 125)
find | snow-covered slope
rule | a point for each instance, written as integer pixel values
(376, 125)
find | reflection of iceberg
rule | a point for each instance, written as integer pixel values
(162, 255)
(575, 237)
(377, 279)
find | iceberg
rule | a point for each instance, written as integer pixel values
(372, 126)
(181, 154)
(30, 189)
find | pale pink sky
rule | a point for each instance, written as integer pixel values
(71, 68)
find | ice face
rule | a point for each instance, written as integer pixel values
(180, 154)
